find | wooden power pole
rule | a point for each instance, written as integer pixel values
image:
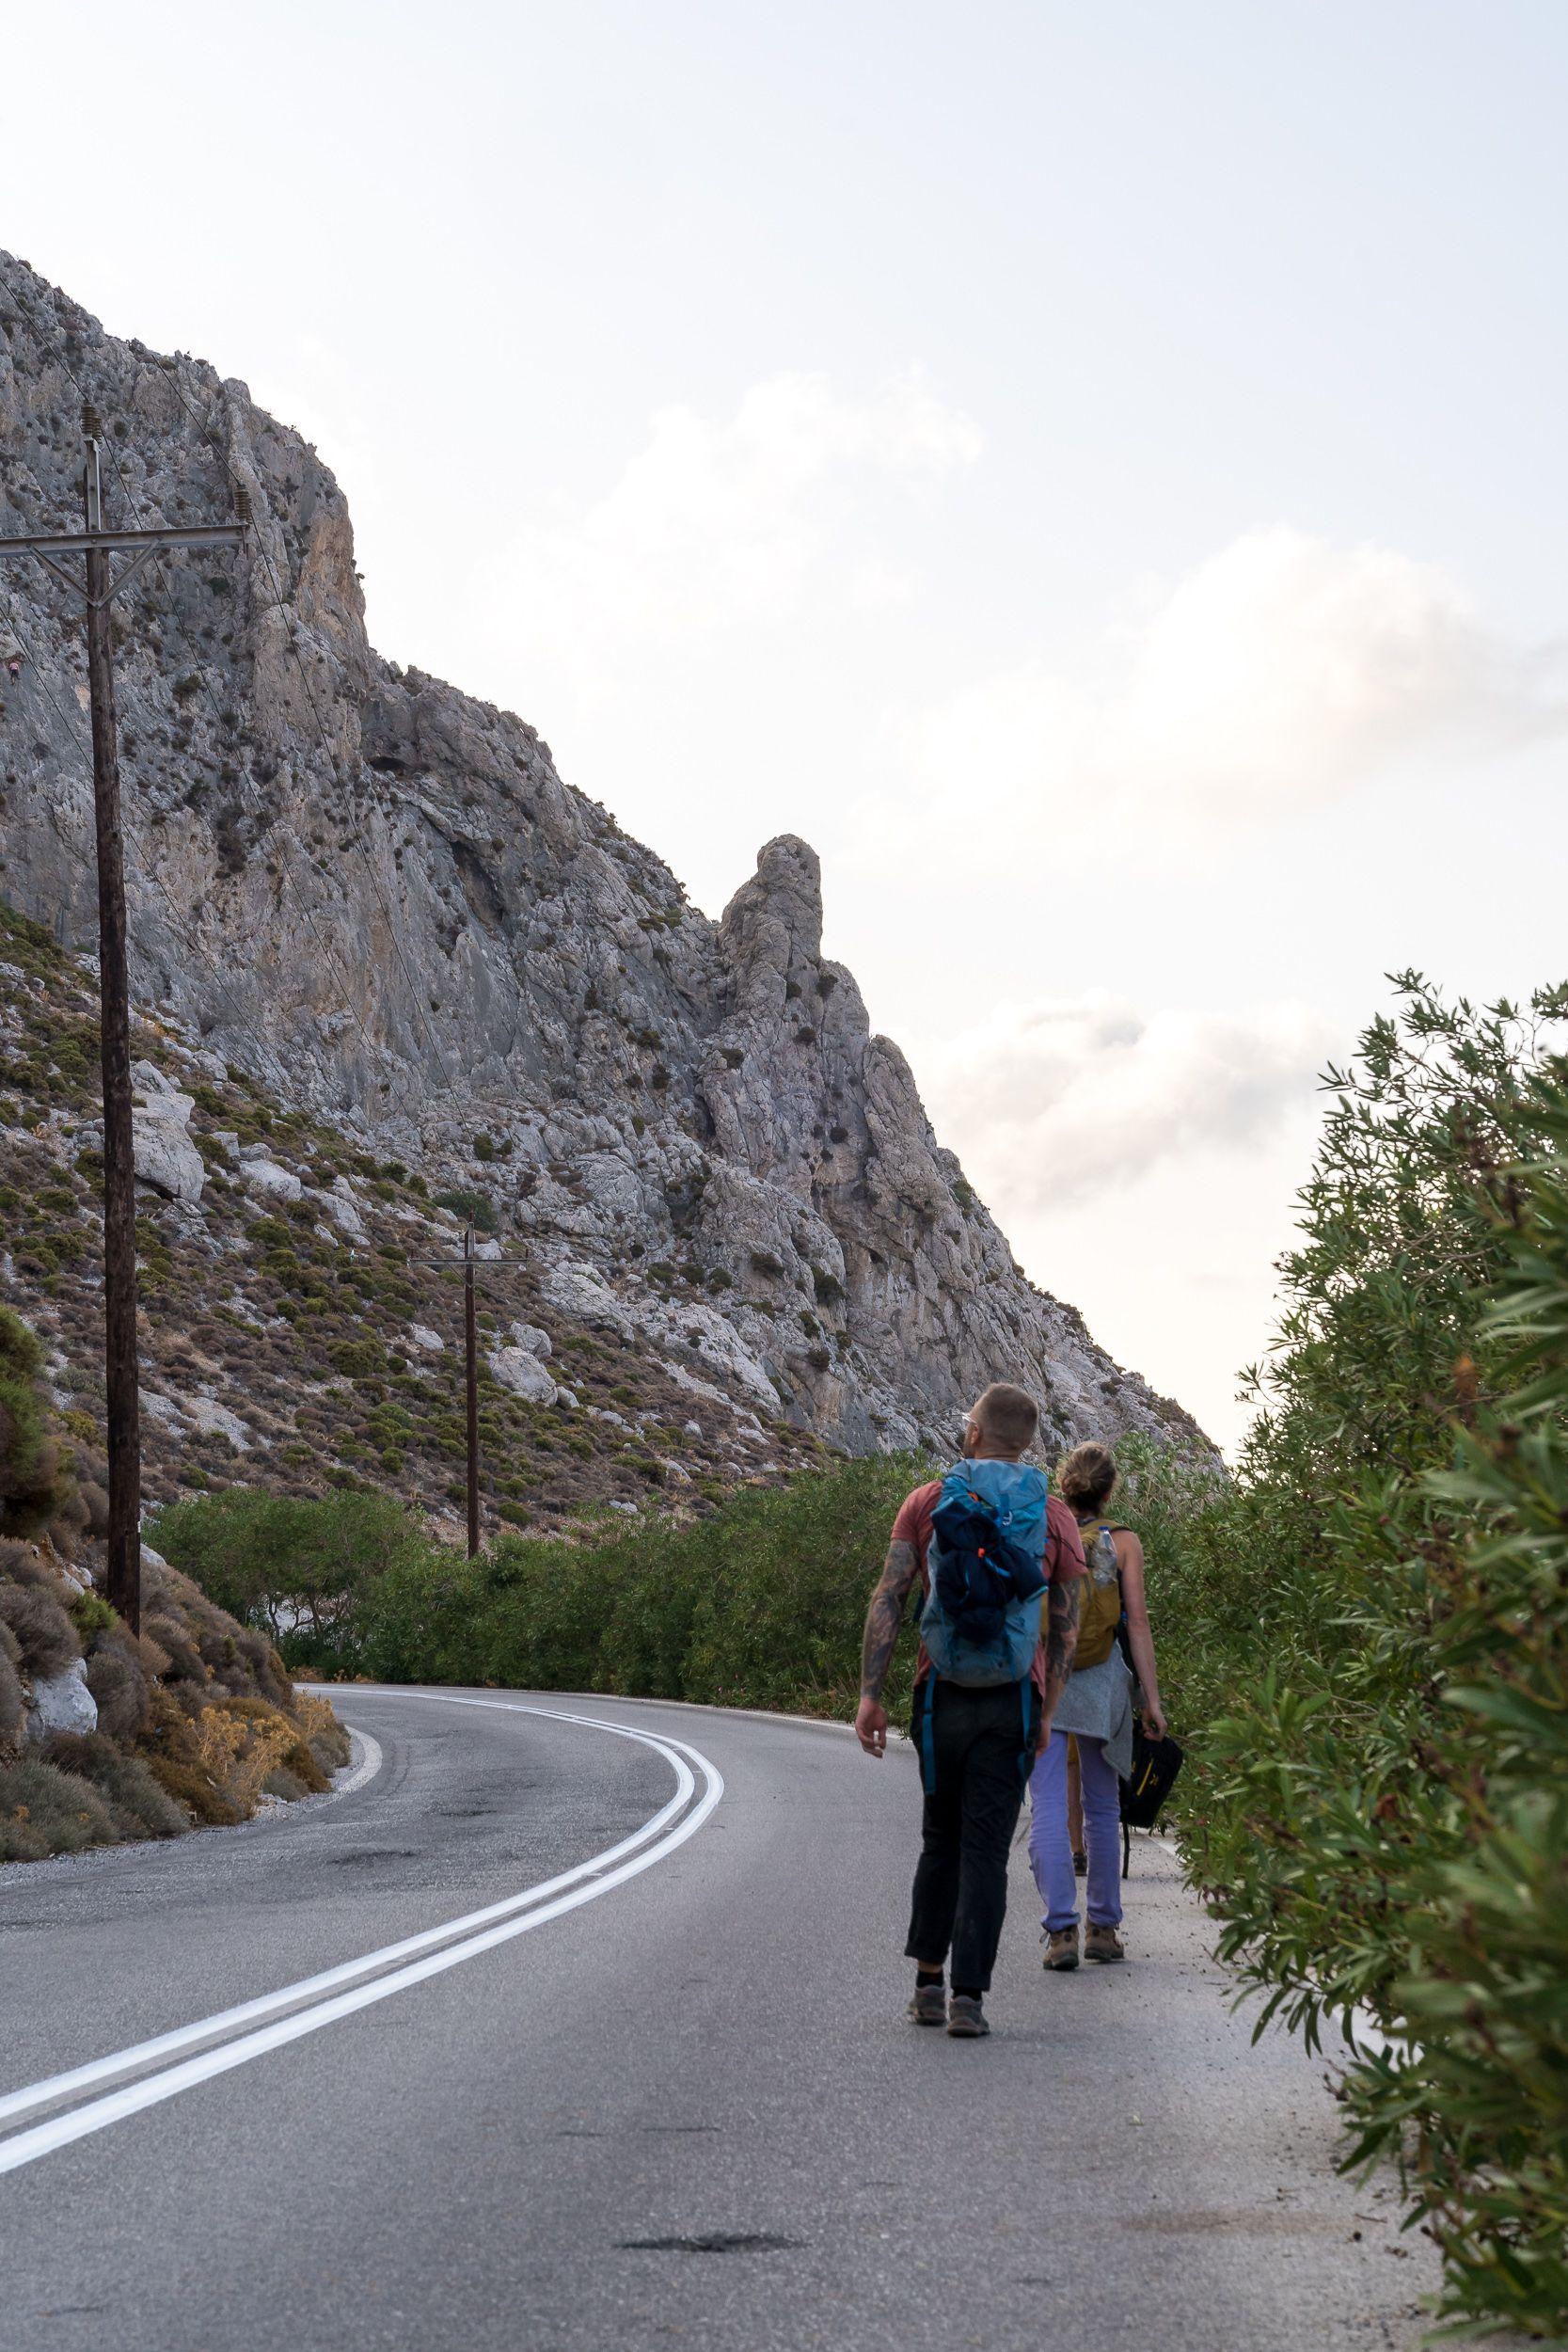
(123, 1580)
(471, 1263)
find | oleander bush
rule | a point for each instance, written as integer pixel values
(1365, 1641)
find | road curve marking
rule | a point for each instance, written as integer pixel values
(369, 1765)
(514, 1915)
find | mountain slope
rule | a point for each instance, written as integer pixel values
(375, 896)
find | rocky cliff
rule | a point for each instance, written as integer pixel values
(377, 898)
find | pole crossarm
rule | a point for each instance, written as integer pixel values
(478, 1263)
(142, 546)
(87, 542)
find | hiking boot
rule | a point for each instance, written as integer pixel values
(966, 2019)
(1061, 1948)
(1102, 1943)
(929, 2005)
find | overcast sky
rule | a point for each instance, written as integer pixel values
(1098, 472)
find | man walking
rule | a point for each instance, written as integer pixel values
(979, 1715)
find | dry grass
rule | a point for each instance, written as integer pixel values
(44, 1811)
(240, 1741)
(323, 1734)
(43, 1632)
(139, 1806)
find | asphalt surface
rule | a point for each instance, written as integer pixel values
(689, 2110)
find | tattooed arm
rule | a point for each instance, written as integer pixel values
(882, 1621)
(1061, 1642)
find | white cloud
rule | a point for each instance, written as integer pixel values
(1282, 673)
(714, 524)
(1051, 1101)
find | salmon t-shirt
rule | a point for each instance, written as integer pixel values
(1063, 1562)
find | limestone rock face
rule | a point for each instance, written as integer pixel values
(164, 1156)
(265, 1178)
(516, 1365)
(376, 896)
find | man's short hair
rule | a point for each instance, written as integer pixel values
(1009, 1416)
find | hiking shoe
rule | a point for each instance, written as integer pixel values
(1102, 1943)
(966, 2019)
(1061, 1948)
(929, 2005)
(1080, 1864)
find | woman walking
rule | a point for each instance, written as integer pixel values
(1096, 1710)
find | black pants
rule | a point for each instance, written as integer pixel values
(976, 1750)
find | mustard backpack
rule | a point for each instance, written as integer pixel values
(1100, 1611)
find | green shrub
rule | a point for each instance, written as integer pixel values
(474, 1208)
(91, 1615)
(1478, 2013)
(294, 1566)
(760, 1604)
(1367, 1641)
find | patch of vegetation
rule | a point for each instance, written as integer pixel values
(1367, 1640)
(760, 1604)
(474, 1208)
(295, 1566)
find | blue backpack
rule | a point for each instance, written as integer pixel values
(985, 1564)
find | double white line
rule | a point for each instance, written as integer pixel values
(355, 1984)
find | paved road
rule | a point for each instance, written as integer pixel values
(684, 2108)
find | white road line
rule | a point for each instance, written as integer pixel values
(367, 1768)
(25, 2147)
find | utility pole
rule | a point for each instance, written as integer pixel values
(469, 1261)
(470, 1345)
(123, 1580)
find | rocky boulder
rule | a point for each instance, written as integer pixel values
(63, 1702)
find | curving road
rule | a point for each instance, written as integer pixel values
(280, 2087)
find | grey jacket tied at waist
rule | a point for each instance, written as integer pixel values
(1097, 1703)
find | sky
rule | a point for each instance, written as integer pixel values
(1098, 473)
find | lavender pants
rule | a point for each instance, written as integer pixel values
(1050, 1847)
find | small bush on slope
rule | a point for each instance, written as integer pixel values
(141, 1807)
(195, 1719)
(45, 1810)
(35, 1484)
(42, 1629)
